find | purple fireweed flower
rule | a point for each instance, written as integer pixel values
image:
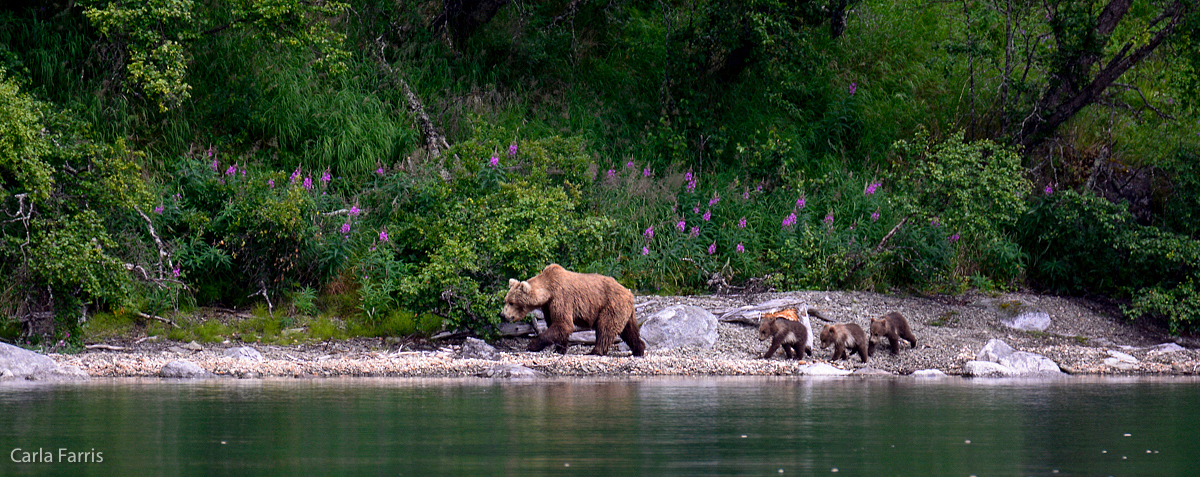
(953, 238)
(649, 233)
(746, 195)
(713, 201)
(853, 88)
(325, 177)
(210, 151)
(158, 209)
(231, 171)
(800, 203)
(695, 231)
(176, 271)
(645, 250)
(216, 166)
(383, 235)
(379, 171)
(691, 185)
(307, 183)
(611, 173)
(712, 248)
(682, 225)
(790, 220)
(742, 223)
(758, 188)
(629, 165)
(696, 209)
(874, 216)
(271, 182)
(740, 248)
(707, 215)
(354, 211)
(1048, 190)
(871, 188)
(935, 222)
(346, 228)
(494, 161)
(688, 176)
(647, 172)
(295, 175)
(512, 149)
(829, 219)
(243, 171)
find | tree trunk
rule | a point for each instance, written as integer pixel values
(1074, 87)
(460, 18)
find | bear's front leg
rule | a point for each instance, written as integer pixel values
(554, 335)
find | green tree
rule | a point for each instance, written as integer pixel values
(157, 35)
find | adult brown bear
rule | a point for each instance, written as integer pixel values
(570, 299)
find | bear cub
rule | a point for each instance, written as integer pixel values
(893, 326)
(843, 337)
(784, 329)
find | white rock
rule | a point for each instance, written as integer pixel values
(244, 352)
(820, 369)
(986, 369)
(928, 373)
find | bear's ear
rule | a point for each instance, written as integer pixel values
(525, 287)
(512, 282)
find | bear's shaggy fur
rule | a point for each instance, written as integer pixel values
(784, 330)
(893, 326)
(570, 299)
(845, 336)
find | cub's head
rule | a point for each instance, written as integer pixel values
(827, 336)
(879, 326)
(522, 298)
(766, 328)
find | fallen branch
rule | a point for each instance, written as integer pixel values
(105, 346)
(159, 318)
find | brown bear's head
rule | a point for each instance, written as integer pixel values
(521, 299)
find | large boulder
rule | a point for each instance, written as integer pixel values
(1121, 361)
(182, 368)
(1009, 362)
(20, 363)
(986, 369)
(678, 326)
(64, 372)
(1019, 315)
(475, 348)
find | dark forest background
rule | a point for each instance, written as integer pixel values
(375, 168)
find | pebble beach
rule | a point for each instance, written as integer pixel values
(1086, 338)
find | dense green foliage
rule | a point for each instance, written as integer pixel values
(383, 167)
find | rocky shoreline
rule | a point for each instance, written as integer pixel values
(1083, 338)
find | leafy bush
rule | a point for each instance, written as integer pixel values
(973, 190)
(1156, 268)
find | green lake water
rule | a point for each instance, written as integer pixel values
(662, 426)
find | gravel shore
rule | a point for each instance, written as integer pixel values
(1084, 338)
